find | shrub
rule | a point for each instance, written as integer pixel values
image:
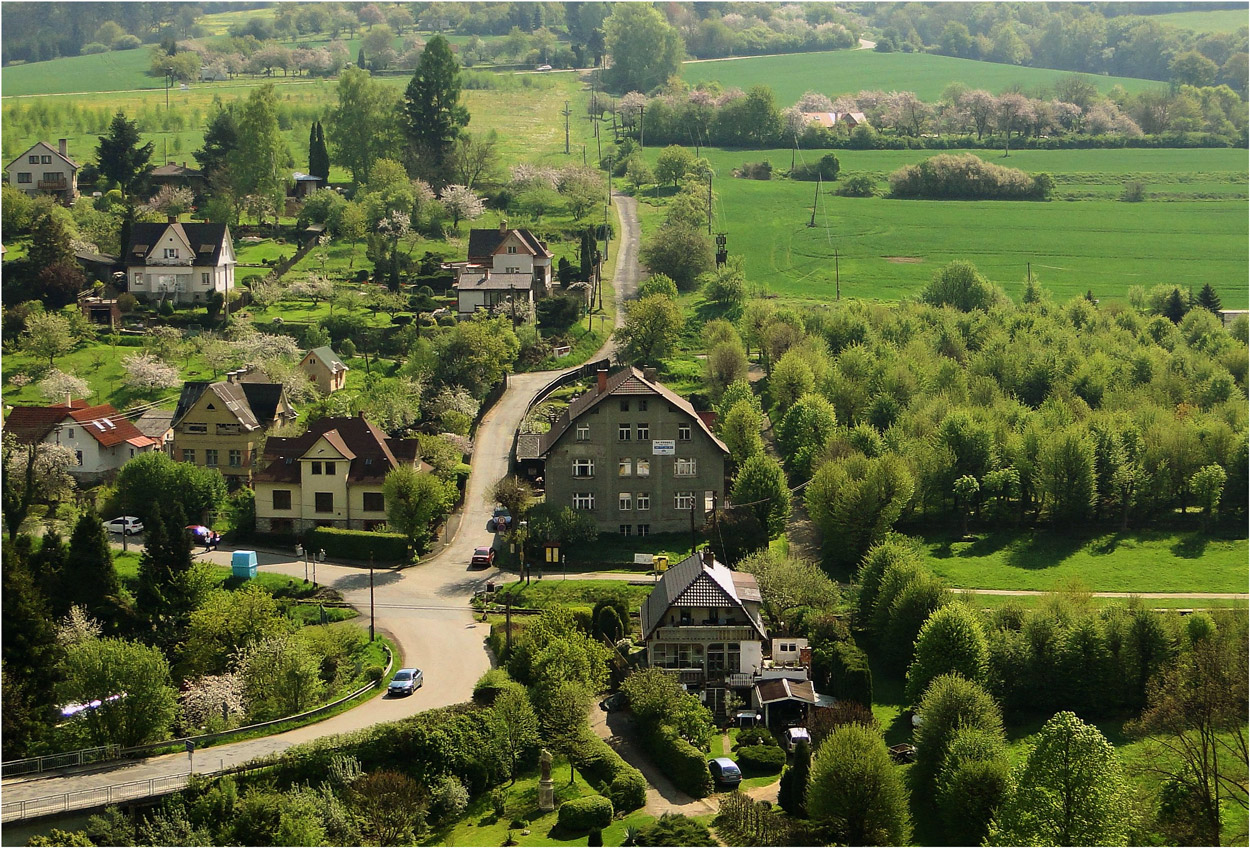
(826, 169)
(755, 170)
(754, 736)
(851, 675)
(603, 767)
(761, 759)
(490, 685)
(374, 673)
(675, 829)
(684, 763)
(592, 812)
(966, 176)
(628, 790)
(358, 544)
(1134, 192)
(93, 47)
(860, 185)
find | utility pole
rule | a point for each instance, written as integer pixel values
(507, 617)
(815, 199)
(370, 597)
(792, 152)
(837, 276)
(602, 256)
(642, 124)
(583, 156)
(1028, 271)
(709, 202)
(566, 114)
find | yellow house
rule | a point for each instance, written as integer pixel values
(331, 476)
(325, 369)
(221, 425)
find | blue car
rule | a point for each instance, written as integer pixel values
(725, 772)
(405, 682)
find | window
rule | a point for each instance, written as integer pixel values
(583, 500)
(644, 529)
(228, 429)
(624, 406)
(281, 498)
(684, 467)
(683, 432)
(625, 500)
(683, 501)
(625, 530)
(512, 270)
(374, 502)
(78, 457)
(324, 501)
(51, 177)
(197, 428)
(329, 467)
(583, 468)
(644, 500)
(138, 279)
(642, 404)
(210, 458)
(69, 432)
(236, 459)
(188, 455)
(23, 177)
(583, 432)
(316, 468)
(644, 432)
(171, 253)
(644, 468)
(624, 468)
(623, 432)
(45, 159)
(204, 278)
(512, 248)
(34, 160)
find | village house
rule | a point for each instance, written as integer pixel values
(220, 425)
(44, 169)
(829, 120)
(102, 439)
(324, 368)
(503, 263)
(331, 476)
(184, 262)
(158, 424)
(633, 454)
(179, 176)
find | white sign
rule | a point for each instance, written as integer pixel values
(663, 447)
(644, 559)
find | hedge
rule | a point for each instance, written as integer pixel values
(684, 764)
(589, 813)
(761, 759)
(604, 769)
(358, 544)
(850, 673)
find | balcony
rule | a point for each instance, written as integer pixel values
(689, 676)
(705, 633)
(52, 185)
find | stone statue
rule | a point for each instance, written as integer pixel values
(544, 764)
(546, 788)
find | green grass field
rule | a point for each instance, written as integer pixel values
(889, 249)
(1233, 18)
(1146, 561)
(850, 71)
(117, 70)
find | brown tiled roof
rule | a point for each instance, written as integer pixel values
(370, 453)
(107, 427)
(784, 689)
(483, 243)
(31, 424)
(627, 381)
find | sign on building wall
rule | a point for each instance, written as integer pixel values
(663, 447)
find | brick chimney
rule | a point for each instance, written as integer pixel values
(503, 227)
(62, 146)
(603, 380)
(171, 219)
(709, 558)
(649, 374)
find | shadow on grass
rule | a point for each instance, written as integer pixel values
(1191, 546)
(1038, 550)
(986, 545)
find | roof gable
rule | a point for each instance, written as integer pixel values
(696, 583)
(483, 243)
(328, 359)
(106, 425)
(209, 244)
(44, 148)
(329, 446)
(32, 424)
(370, 453)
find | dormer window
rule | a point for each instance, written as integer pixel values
(512, 248)
(171, 253)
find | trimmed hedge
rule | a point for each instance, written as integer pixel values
(593, 812)
(358, 544)
(761, 759)
(850, 673)
(684, 764)
(604, 769)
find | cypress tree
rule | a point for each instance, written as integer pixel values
(1208, 299)
(792, 794)
(318, 155)
(47, 566)
(89, 577)
(29, 651)
(312, 149)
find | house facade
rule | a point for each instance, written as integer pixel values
(101, 439)
(179, 176)
(220, 425)
(702, 624)
(829, 120)
(331, 476)
(512, 251)
(44, 169)
(634, 455)
(183, 262)
(324, 368)
(480, 288)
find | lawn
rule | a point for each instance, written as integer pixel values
(553, 592)
(1229, 19)
(1145, 561)
(888, 249)
(851, 71)
(116, 70)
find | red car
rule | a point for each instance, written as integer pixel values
(483, 557)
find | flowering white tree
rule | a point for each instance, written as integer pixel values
(77, 627)
(267, 291)
(462, 203)
(629, 107)
(793, 121)
(256, 348)
(314, 287)
(169, 200)
(58, 384)
(165, 342)
(527, 175)
(146, 373)
(212, 702)
(814, 101)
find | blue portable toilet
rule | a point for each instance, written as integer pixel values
(243, 564)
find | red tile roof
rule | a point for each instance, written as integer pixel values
(32, 424)
(109, 428)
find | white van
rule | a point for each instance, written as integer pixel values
(794, 736)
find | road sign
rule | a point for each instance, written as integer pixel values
(644, 559)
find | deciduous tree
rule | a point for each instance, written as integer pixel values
(652, 326)
(857, 791)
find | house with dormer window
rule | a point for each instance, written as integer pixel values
(183, 262)
(331, 476)
(504, 264)
(101, 438)
(221, 425)
(44, 169)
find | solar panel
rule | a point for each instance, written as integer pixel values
(206, 248)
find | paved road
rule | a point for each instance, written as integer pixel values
(423, 608)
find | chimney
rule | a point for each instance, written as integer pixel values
(503, 227)
(172, 219)
(361, 415)
(805, 657)
(709, 558)
(62, 145)
(649, 374)
(69, 400)
(603, 380)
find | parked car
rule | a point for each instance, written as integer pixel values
(483, 557)
(405, 682)
(127, 525)
(725, 772)
(543, 68)
(794, 736)
(501, 520)
(615, 701)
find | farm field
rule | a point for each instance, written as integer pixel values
(849, 71)
(1216, 20)
(888, 249)
(1148, 561)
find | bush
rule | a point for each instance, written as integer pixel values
(592, 812)
(358, 544)
(490, 685)
(761, 759)
(628, 790)
(754, 736)
(851, 674)
(966, 176)
(685, 764)
(1134, 192)
(826, 169)
(93, 47)
(755, 170)
(374, 673)
(603, 768)
(860, 185)
(675, 829)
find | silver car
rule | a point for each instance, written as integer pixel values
(126, 525)
(405, 682)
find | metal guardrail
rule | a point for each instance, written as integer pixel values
(52, 762)
(86, 798)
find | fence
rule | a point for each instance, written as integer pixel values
(100, 796)
(51, 762)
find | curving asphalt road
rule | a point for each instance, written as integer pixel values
(423, 609)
